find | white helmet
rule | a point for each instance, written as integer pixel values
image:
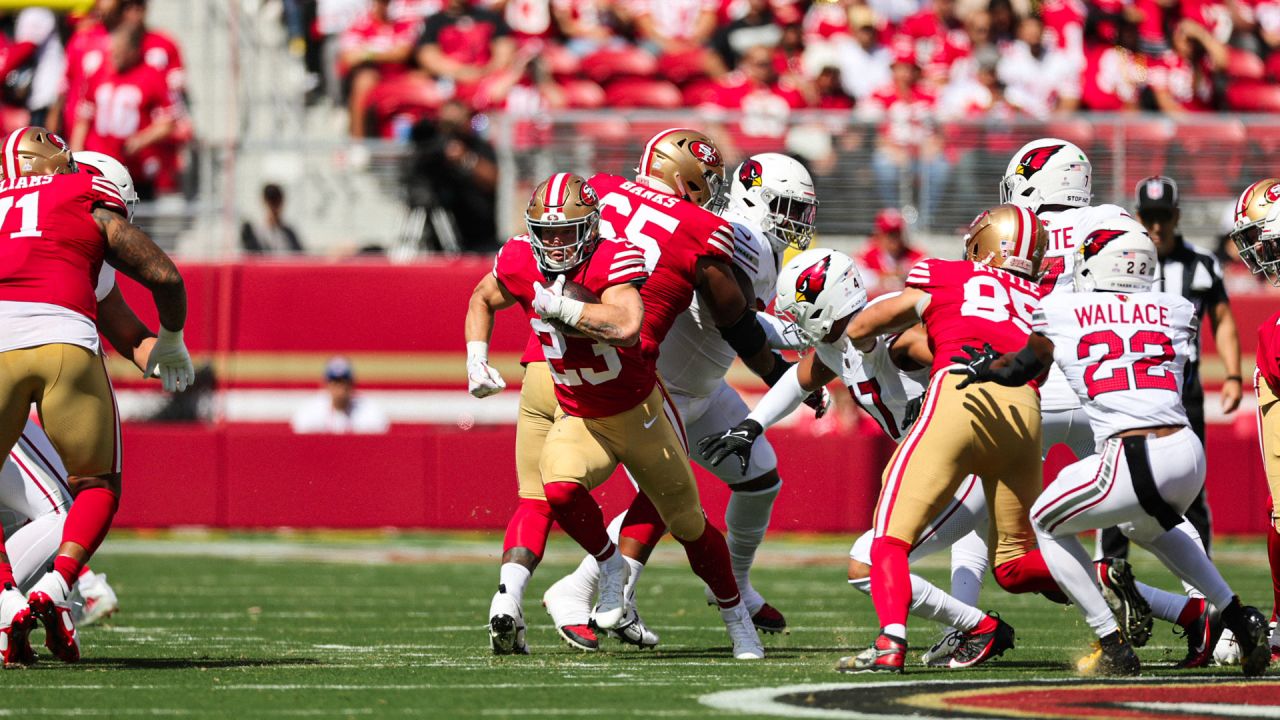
(102, 164)
(776, 192)
(1048, 171)
(817, 288)
(1117, 256)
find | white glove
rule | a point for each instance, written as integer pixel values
(551, 304)
(170, 361)
(482, 379)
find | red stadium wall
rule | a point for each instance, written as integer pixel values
(258, 475)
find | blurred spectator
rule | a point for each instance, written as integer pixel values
(1114, 74)
(828, 88)
(585, 25)
(163, 162)
(756, 27)
(1256, 25)
(88, 49)
(1153, 27)
(887, 257)
(984, 96)
(1004, 21)
(1039, 78)
(1184, 78)
(373, 48)
(338, 410)
(895, 12)
(451, 178)
(270, 236)
(959, 55)
(755, 88)
(864, 62)
(938, 36)
(332, 18)
(462, 45)
(529, 20)
(32, 66)
(1064, 22)
(127, 108)
(195, 404)
(909, 145)
(677, 32)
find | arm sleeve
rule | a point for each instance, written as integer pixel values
(720, 242)
(782, 399)
(104, 193)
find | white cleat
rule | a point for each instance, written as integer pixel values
(940, 654)
(633, 631)
(506, 626)
(612, 605)
(746, 641)
(92, 599)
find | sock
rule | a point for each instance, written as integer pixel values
(1029, 573)
(709, 558)
(529, 526)
(1073, 570)
(746, 519)
(87, 524)
(513, 578)
(642, 522)
(930, 602)
(580, 517)
(891, 583)
(1191, 611)
(636, 568)
(1165, 605)
(68, 567)
(1185, 557)
(6, 575)
(968, 566)
(1273, 557)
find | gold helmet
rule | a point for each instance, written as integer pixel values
(35, 151)
(1257, 231)
(684, 163)
(562, 217)
(1007, 237)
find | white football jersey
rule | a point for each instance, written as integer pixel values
(1065, 229)
(1123, 355)
(694, 358)
(876, 383)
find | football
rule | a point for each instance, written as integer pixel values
(575, 291)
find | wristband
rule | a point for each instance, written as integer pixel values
(571, 310)
(1236, 378)
(478, 350)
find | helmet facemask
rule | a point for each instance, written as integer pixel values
(791, 220)
(560, 245)
(1259, 248)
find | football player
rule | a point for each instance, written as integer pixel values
(61, 226)
(1257, 237)
(1122, 347)
(819, 292)
(772, 207)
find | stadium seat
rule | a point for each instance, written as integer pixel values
(1075, 130)
(610, 63)
(1253, 97)
(409, 95)
(560, 62)
(700, 92)
(1212, 153)
(641, 92)
(12, 118)
(582, 94)
(1244, 65)
(683, 67)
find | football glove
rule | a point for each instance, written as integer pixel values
(976, 364)
(482, 379)
(170, 361)
(551, 304)
(737, 441)
(912, 412)
(820, 401)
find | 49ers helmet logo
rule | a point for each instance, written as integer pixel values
(812, 281)
(57, 141)
(750, 174)
(1273, 193)
(1097, 240)
(704, 152)
(1034, 160)
(588, 194)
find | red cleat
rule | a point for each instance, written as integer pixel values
(15, 640)
(886, 654)
(579, 637)
(59, 629)
(768, 619)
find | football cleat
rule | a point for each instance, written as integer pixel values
(569, 605)
(746, 641)
(768, 619)
(506, 625)
(633, 631)
(92, 599)
(612, 605)
(1202, 639)
(886, 654)
(978, 648)
(1227, 651)
(1250, 628)
(15, 635)
(48, 601)
(1110, 659)
(940, 654)
(1121, 593)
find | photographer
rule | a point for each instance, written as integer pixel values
(451, 178)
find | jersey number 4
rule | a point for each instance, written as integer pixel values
(561, 372)
(1146, 373)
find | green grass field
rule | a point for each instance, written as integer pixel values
(298, 625)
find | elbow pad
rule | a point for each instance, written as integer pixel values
(1024, 367)
(745, 336)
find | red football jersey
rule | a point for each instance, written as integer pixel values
(1269, 352)
(593, 379)
(673, 233)
(50, 247)
(119, 105)
(87, 51)
(972, 304)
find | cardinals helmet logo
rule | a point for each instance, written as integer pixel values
(811, 282)
(704, 152)
(1097, 240)
(1035, 159)
(588, 194)
(749, 174)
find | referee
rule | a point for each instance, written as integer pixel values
(1194, 274)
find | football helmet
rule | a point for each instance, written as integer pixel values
(1116, 256)
(776, 192)
(1009, 237)
(1257, 228)
(1048, 171)
(562, 203)
(96, 163)
(816, 289)
(35, 151)
(685, 163)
